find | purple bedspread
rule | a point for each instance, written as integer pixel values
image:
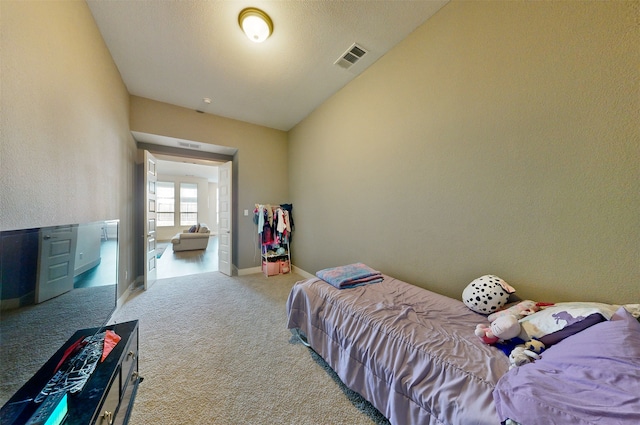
(592, 377)
(410, 352)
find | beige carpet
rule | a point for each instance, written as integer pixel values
(215, 350)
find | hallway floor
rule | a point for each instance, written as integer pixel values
(183, 263)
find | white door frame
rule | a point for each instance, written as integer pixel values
(225, 218)
(150, 220)
(166, 150)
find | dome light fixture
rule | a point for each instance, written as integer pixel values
(256, 24)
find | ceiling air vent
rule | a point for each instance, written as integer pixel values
(351, 56)
(188, 145)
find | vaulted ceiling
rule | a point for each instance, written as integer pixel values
(181, 52)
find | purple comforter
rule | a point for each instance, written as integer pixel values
(410, 352)
(592, 377)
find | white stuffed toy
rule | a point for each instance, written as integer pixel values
(523, 308)
(487, 294)
(503, 328)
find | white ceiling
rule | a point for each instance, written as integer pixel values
(190, 167)
(180, 52)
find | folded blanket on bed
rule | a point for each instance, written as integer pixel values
(350, 275)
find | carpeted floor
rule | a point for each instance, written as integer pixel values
(215, 350)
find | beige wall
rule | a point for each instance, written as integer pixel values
(259, 166)
(66, 153)
(500, 137)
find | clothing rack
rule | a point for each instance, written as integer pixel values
(275, 226)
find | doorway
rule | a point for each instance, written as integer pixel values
(199, 179)
(177, 166)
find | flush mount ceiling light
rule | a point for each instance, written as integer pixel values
(256, 24)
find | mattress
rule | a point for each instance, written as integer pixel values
(410, 352)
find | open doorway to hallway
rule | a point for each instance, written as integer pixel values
(205, 156)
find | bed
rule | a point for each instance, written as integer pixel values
(413, 355)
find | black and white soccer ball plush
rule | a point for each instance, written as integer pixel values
(486, 294)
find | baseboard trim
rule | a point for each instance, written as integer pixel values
(254, 270)
(302, 272)
(250, 270)
(137, 283)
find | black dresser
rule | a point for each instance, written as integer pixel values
(107, 397)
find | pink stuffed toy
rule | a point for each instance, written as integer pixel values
(519, 310)
(504, 327)
(484, 333)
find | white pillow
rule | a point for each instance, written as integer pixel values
(561, 315)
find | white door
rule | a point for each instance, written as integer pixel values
(224, 230)
(150, 242)
(57, 261)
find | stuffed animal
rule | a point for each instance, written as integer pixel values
(523, 308)
(520, 356)
(535, 345)
(526, 353)
(483, 332)
(486, 294)
(504, 327)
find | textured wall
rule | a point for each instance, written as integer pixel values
(500, 137)
(66, 153)
(260, 166)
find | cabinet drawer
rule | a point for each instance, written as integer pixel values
(107, 412)
(130, 361)
(127, 399)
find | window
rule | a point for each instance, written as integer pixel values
(166, 203)
(188, 204)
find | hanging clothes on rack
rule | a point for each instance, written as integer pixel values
(289, 209)
(274, 226)
(283, 228)
(259, 217)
